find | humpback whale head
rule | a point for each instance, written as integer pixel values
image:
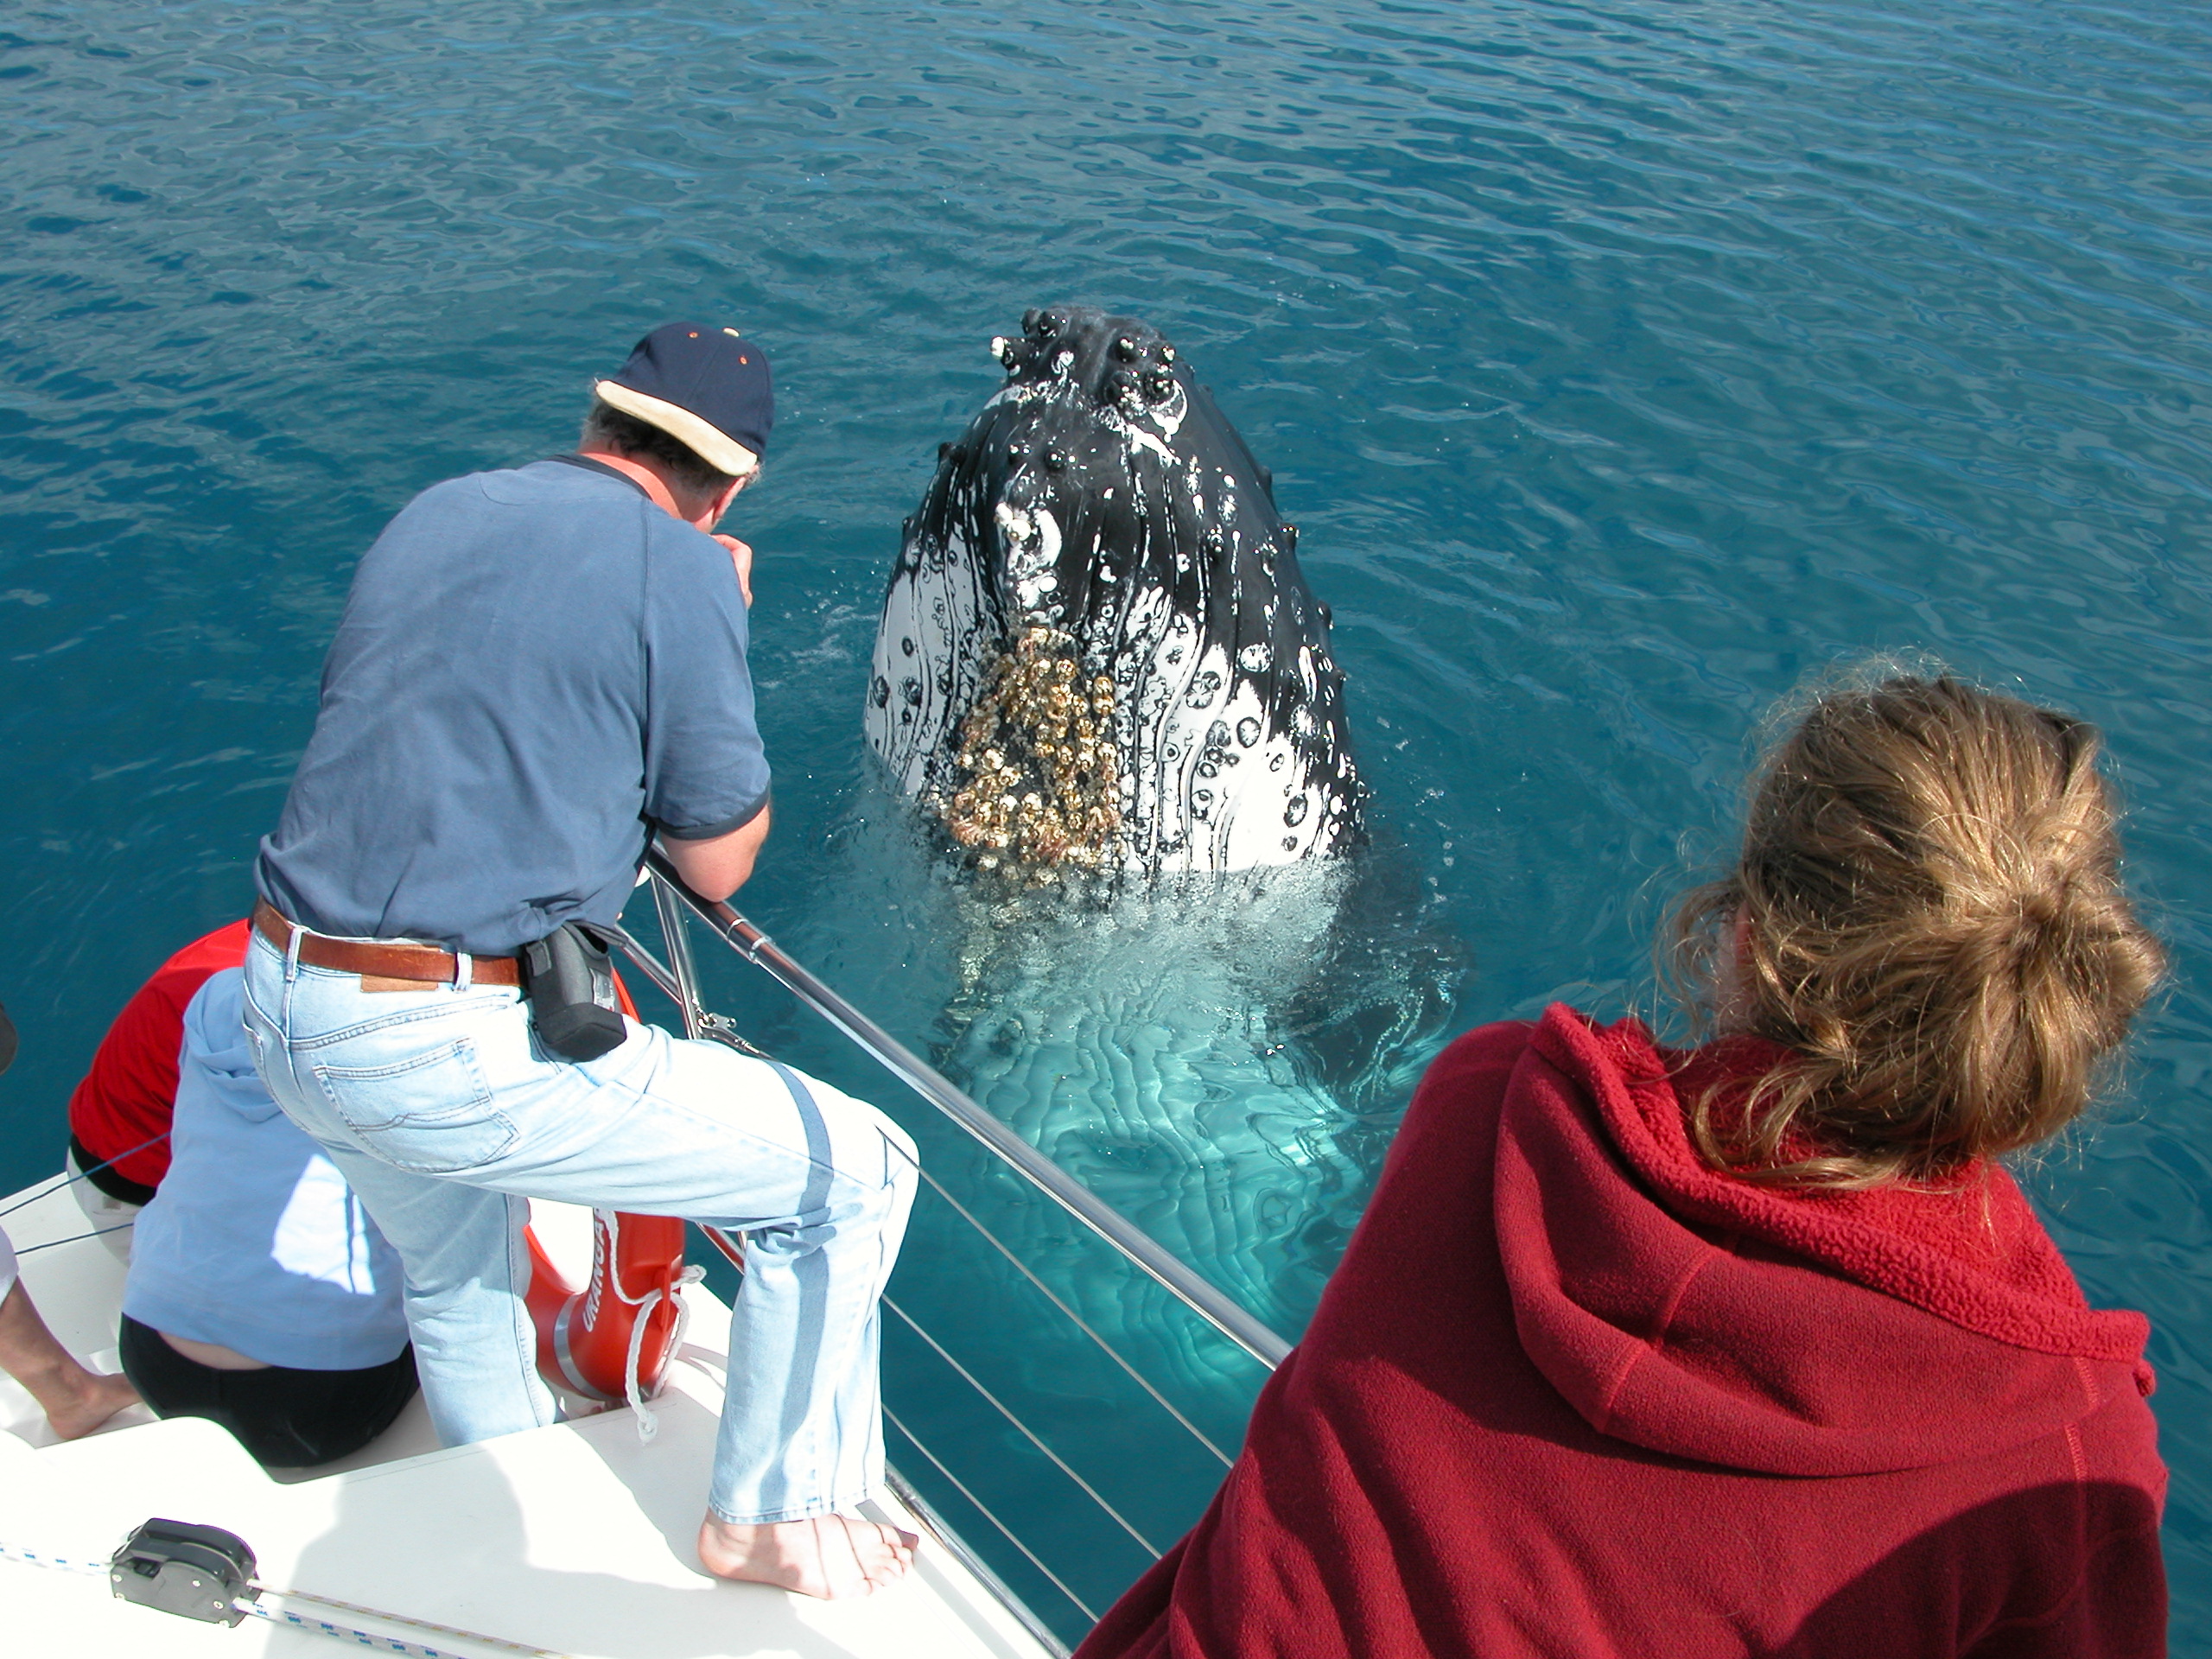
(1097, 649)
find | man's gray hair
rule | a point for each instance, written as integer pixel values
(609, 428)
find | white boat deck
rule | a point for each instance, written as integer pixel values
(576, 1540)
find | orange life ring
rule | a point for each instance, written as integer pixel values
(610, 1339)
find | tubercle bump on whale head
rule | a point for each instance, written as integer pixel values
(1121, 363)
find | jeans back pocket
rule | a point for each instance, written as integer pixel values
(431, 1112)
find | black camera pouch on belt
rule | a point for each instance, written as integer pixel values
(569, 984)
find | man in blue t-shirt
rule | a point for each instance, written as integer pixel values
(537, 673)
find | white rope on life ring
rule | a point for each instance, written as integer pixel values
(648, 1419)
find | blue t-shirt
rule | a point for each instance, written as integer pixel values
(254, 1240)
(535, 670)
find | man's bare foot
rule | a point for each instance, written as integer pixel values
(89, 1399)
(830, 1556)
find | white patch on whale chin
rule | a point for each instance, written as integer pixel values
(1261, 807)
(1032, 538)
(936, 600)
(1211, 783)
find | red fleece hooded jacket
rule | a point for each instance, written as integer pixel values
(1573, 1393)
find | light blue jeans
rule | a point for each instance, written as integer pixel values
(445, 1113)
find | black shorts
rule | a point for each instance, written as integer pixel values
(101, 1174)
(287, 1419)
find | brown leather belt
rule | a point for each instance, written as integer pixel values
(420, 964)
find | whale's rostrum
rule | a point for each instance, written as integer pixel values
(1097, 649)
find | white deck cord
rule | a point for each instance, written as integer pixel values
(375, 1640)
(648, 1419)
(383, 1644)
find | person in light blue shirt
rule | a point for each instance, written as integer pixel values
(261, 1295)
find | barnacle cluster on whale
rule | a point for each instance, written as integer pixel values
(1036, 780)
(1097, 647)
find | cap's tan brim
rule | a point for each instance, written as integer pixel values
(712, 445)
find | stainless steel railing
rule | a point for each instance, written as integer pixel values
(1131, 1242)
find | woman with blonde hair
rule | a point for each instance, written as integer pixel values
(1754, 1348)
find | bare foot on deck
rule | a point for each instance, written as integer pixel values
(831, 1556)
(75, 1401)
(86, 1401)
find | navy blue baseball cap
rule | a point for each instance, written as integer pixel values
(707, 388)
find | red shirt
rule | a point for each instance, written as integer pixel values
(128, 1095)
(1572, 1391)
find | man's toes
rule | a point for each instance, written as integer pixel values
(887, 1554)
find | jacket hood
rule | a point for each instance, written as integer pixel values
(215, 1059)
(1700, 1316)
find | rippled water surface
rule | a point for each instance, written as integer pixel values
(1622, 365)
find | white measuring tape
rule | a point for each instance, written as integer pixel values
(253, 1603)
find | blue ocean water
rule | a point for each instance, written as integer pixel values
(1623, 364)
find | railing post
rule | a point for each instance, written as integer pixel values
(677, 940)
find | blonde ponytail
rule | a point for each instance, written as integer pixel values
(1927, 913)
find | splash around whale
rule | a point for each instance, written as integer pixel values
(1097, 650)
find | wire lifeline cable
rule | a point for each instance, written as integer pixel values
(733, 1253)
(1225, 1315)
(982, 1509)
(1074, 1319)
(716, 1236)
(1092, 1491)
(74, 1238)
(671, 986)
(82, 1174)
(1028, 1433)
